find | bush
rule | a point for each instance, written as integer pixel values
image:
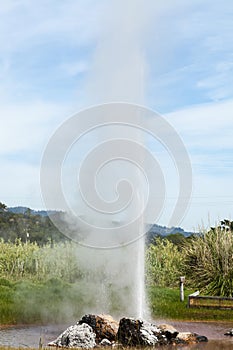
(209, 262)
(163, 263)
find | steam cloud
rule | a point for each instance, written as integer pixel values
(117, 74)
(114, 278)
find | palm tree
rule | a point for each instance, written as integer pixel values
(3, 207)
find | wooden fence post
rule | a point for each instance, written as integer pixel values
(182, 279)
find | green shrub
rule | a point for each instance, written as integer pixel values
(163, 263)
(209, 262)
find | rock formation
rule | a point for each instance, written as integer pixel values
(103, 330)
(77, 336)
(104, 326)
(133, 332)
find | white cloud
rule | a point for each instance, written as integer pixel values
(207, 134)
(25, 24)
(24, 133)
(71, 69)
(20, 184)
(25, 127)
(218, 85)
(205, 126)
(191, 55)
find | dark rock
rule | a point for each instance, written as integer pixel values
(189, 338)
(151, 335)
(202, 338)
(104, 326)
(77, 336)
(169, 331)
(133, 332)
(230, 332)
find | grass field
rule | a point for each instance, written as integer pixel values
(56, 301)
(26, 302)
(165, 303)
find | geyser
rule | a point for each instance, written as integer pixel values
(120, 189)
(99, 168)
(105, 206)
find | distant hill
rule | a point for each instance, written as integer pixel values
(28, 225)
(24, 210)
(165, 231)
(16, 222)
(161, 230)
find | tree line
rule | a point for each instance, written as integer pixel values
(28, 227)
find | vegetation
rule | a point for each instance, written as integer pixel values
(164, 263)
(2, 206)
(37, 265)
(28, 227)
(28, 261)
(205, 259)
(29, 302)
(165, 304)
(209, 262)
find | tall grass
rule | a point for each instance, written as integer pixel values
(209, 262)
(163, 263)
(29, 261)
(40, 284)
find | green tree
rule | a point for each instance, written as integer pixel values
(176, 238)
(3, 207)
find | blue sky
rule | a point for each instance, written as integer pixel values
(51, 66)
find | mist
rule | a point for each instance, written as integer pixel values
(117, 74)
(95, 165)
